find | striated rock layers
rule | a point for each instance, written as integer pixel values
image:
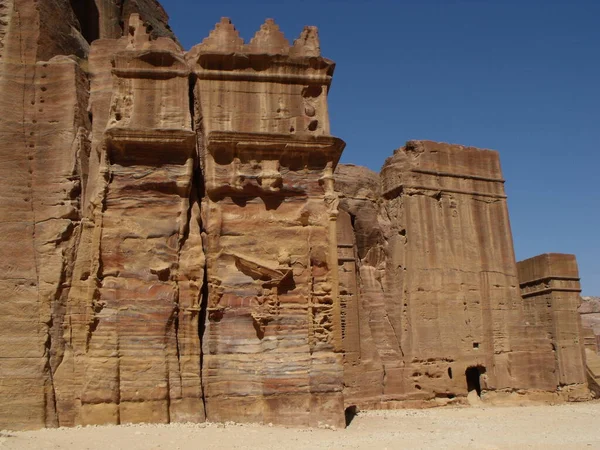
(431, 287)
(272, 342)
(179, 242)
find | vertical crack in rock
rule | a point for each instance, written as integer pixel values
(202, 326)
(185, 255)
(198, 194)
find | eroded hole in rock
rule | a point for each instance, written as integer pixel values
(450, 372)
(312, 91)
(162, 274)
(445, 395)
(473, 375)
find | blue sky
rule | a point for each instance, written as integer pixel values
(520, 77)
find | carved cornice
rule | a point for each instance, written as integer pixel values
(224, 145)
(150, 144)
(154, 64)
(547, 285)
(264, 68)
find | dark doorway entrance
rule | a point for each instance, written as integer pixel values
(350, 413)
(473, 375)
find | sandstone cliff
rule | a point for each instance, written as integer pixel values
(179, 242)
(55, 175)
(430, 283)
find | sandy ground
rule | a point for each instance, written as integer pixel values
(548, 427)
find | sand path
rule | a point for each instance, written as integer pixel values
(569, 426)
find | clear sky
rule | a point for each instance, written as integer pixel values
(520, 77)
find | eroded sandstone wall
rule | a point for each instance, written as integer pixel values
(361, 262)
(550, 289)
(272, 343)
(50, 233)
(109, 19)
(43, 126)
(439, 309)
(178, 245)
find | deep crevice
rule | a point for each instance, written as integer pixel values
(197, 194)
(202, 328)
(121, 19)
(88, 16)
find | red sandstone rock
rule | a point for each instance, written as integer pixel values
(550, 289)
(272, 343)
(178, 243)
(433, 294)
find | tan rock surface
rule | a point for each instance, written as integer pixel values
(550, 289)
(179, 243)
(439, 310)
(272, 343)
(570, 426)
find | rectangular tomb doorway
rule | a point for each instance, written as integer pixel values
(473, 375)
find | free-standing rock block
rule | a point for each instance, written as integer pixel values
(550, 289)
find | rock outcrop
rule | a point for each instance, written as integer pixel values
(590, 315)
(179, 242)
(44, 126)
(550, 289)
(431, 283)
(57, 184)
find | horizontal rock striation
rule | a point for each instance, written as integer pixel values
(429, 283)
(180, 243)
(272, 341)
(550, 289)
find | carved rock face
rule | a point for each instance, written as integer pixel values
(180, 244)
(434, 294)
